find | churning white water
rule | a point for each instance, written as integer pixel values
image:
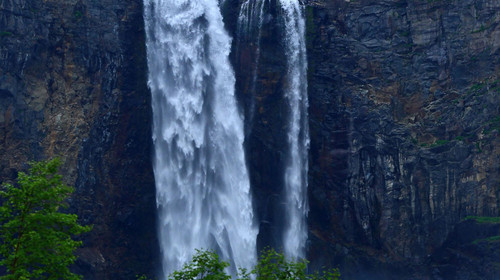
(295, 232)
(203, 192)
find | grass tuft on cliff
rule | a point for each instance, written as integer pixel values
(484, 220)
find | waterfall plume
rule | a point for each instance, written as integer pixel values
(295, 232)
(202, 184)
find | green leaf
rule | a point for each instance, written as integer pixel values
(36, 239)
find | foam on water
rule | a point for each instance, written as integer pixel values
(203, 191)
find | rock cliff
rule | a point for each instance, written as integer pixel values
(404, 120)
(73, 84)
(404, 114)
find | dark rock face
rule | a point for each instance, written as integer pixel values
(260, 67)
(73, 84)
(469, 243)
(404, 106)
(404, 119)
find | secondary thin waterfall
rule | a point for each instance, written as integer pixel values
(203, 191)
(295, 233)
(249, 29)
(250, 24)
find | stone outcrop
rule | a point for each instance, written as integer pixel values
(404, 120)
(404, 114)
(73, 84)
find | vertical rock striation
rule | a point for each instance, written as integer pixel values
(73, 84)
(404, 122)
(404, 115)
(283, 218)
(260, 65)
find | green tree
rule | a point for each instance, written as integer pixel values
(271, 266)
(204, 265)
(35, 238)
(274, 265)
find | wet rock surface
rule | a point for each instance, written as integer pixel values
(73, 84)
(260, 67)
(404, 121)
(404, 106)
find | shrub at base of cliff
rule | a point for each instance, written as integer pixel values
(271, 265)
(36, 239)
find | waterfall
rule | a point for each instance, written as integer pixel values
(202, 184)
(250, 23)
(249, 30)
(250, 19)
(295, 232)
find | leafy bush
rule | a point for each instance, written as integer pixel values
(271, 265)
(36, 239)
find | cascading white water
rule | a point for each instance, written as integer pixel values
(203, 192)
(249, 29)
(250, 22)
(250, 18)
(295, 233)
